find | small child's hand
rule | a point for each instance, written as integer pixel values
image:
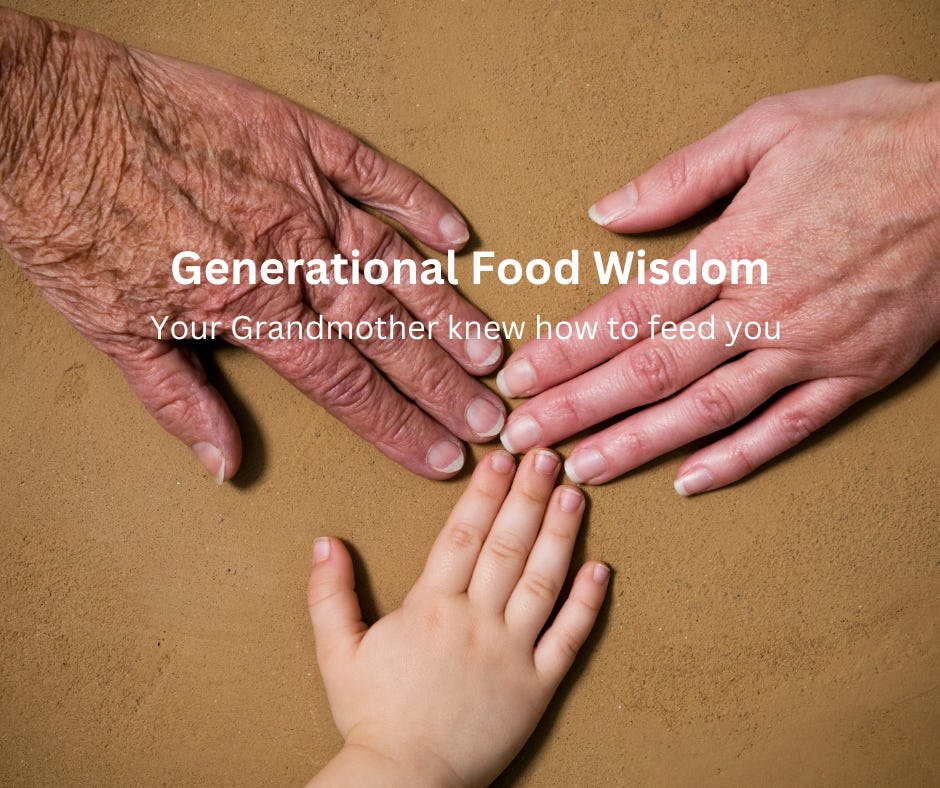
(446, 689)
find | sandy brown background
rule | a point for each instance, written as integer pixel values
(785, 631)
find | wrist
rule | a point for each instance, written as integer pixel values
(360, 763)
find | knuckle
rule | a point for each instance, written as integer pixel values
(540, 586)
(568, 644)
(653, 370)
(463, 536)
(347, 389)
(714, 406)
(367, 167)
(796, 425)
(507, 548)
(565, 409)
(631, 444)
(677, 172)
(742, 460)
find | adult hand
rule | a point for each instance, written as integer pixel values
(839, 193)
(113, 160)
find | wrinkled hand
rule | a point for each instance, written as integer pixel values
(113, 160)
(841, 196)
(446, 689)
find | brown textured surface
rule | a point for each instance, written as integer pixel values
(785, 631)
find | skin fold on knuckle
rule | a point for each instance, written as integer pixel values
(714, 407)
(652, 372)
(507, 548)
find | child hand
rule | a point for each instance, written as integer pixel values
(446, 689)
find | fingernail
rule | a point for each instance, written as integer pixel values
(584, 465)
(697, 481)
(516, 378)
(601, 573)
(484, 418)
(321, 549)
(445, 456)
(502, 462)
(212, 458)
(454, 229)
(614, 206)
(521, 434)
(546, 462)
(570, 500)
(483, 352)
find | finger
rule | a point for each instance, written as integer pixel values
(558, 647)
(621, 319)
(507, 546)
(455, 551)
(712, 403)
(793, 417)
(532, 600)
(691, 178)
(364, 174)
(469, 344)
(171, 383)
(419, 368)
(331, 599)
(335, 376)
(644, 373)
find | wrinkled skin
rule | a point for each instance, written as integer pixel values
(113, 160)
(839, 192)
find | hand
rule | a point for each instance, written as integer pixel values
(840, 195)
(445, 690)
(113, 160)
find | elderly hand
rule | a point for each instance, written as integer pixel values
(840, 194)
(113, 160)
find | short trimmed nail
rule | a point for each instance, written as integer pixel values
(546, 462)
(502, 462)
(454, 229)
(614, 206)
(584, 465)
(521, 434)
(321, 549)
(212, 458)
(601, 573)
(516, 378)
(570, 500)
(697, 481)
(484, 418)
(483, 352)
(446, 456)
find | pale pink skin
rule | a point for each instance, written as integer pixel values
(839, 191)
(446, 689)
(113, 160)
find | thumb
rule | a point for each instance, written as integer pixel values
(171, 383)
(331, 599)
(692, 178)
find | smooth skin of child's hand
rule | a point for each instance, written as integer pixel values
(446, 689)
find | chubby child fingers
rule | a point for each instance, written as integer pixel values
(558, 647)
(332, 601)
(534, 596)
(510, 540)
(455, 551)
